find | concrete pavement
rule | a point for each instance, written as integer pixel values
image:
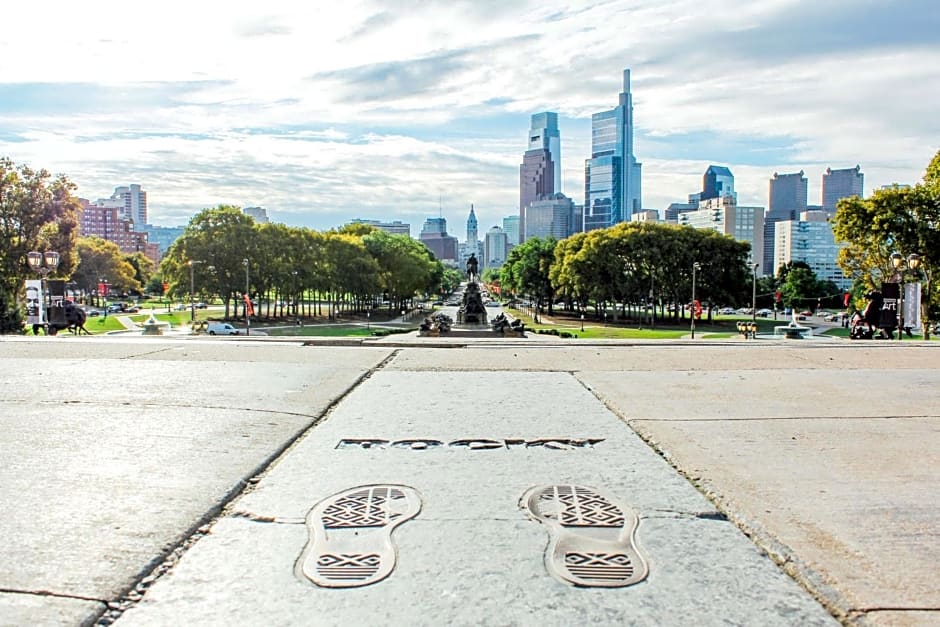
(775, 483)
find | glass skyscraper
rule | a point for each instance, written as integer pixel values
(612, 183)
(540, 172)
(717, 182)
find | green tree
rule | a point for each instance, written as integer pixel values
(526, 271)
(38, 213)
(894, 220)
(406, 266)
(216, 241)
(102, 261)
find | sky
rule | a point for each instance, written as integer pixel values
(403, 110)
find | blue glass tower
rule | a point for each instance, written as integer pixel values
(612, 176)
(717, 182)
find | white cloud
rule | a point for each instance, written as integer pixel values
(323, 114)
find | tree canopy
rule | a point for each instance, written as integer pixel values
(893, 220)
(37, 212)
(352, 266)
(635, 263)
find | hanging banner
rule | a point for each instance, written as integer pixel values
(911, 312)
(889, 307)
(34, 308)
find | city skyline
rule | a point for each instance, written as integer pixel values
(359, 112)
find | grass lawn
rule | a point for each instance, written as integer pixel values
(719, 328)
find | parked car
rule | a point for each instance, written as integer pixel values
(201, 306)
(764, 313)
(132, 309)
(727, 311)
(221, 328)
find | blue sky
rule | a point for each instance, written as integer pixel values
(325, 113)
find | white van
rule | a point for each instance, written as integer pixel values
(221, 328)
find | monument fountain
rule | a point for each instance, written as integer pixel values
(794, 330)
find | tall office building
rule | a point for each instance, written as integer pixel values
(540, 172)
(671, 213)
(787, 200)
(788, 192)
(434, 236)
(809, 238)
(396, 227)
(549, 217)
(130, 200)
(511, 228)
(612, 176)
(495, 248)
(544, 135)
(724, 215)
(838, 184)
(135, 203)
(717, 182)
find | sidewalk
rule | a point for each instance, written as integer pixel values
(775, 483)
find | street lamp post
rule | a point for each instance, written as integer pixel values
(247, 297)
(294, 298)
(42, 263)
(696, 266)
(582, 321)
(652, 304)
(754, 293)
(192, 290)
(898, 261)
(368, 319)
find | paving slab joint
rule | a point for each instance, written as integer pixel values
(166, 561)
(869, 616)
(672, 513)
(815, 583)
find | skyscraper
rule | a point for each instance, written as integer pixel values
(809, 238)
(717, 182)
(495, 248)
(132, 201)
(434, 236)
(511, 227)
(787, 200)
(540, 172)
(724, 215)
(549, 217)
(838, 184)
(788, 192)
(612, 184)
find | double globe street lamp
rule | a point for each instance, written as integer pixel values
(44, 264)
